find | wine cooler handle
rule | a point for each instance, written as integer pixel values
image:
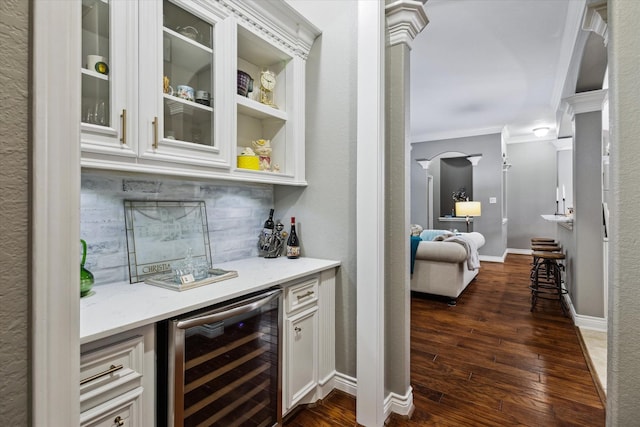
(155, 133)
(123, 139)
(228, 311)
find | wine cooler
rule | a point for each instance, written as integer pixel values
(224, 363)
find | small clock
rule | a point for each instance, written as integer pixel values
(267, 84)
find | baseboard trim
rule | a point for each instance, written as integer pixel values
(491, 258)
(393, 403)
(346, 384)
(519, 251)
(397, 404)
(589, 322)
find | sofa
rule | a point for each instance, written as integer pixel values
(445, 264)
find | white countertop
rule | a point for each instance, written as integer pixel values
(118, 307)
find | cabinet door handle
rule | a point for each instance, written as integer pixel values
(308, 294)
(297, 329)
(118, 421)
(155, 132)
(123, 138)
(111, 370)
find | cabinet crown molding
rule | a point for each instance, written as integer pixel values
(405, 20)
(279, 22)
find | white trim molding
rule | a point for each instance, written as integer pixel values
(563, 144)
(370, 214)
(405, 20)
(401, 405)
(346, 384)
(586, 322)
(55, 187)
(595, 19)
(585, 102)
(493, 258)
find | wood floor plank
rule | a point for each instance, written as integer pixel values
(488, 361)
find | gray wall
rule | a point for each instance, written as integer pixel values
(531, 191)
(15, 213)
(235, 214)
(326, 209)
(587, 296)
(397, 253)
(487, 182)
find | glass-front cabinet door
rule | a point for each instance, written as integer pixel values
(177, 75)
(107, 72)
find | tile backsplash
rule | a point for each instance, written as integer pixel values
(235, 214)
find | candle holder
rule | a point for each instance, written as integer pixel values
(564, 209)
(557, 208)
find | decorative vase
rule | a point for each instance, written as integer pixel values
(86, 278)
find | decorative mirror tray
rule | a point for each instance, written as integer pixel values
(168, 244)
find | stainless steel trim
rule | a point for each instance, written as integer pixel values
(112, 369)
(176, 348)
(230, 310)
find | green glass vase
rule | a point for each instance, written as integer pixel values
(86, 278)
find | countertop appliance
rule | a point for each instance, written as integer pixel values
(223, 364)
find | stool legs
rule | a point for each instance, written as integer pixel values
(546, 279)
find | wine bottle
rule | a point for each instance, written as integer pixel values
(267, 231)
(293, 243)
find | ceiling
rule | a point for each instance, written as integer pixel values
(488, 66)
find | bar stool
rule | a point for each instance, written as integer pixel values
(546, 278)
(544, 244)
(542, 240)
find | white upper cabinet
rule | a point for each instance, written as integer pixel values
(192, 85)
(109, 78)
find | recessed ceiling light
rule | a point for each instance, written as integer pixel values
(540, 132)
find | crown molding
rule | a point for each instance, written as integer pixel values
(463, 133)
(563, 144)
(595, 19)
(405, 20)
(585, 102)
(276, 21)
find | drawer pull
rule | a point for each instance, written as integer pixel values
(308, 294)
(111, 370)
(118, 421)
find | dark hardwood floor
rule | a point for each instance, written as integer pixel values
(488, 361)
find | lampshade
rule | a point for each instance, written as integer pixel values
(468, 209)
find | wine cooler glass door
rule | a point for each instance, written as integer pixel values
(227, 363)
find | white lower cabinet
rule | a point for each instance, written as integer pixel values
(309, 340)
(123, 410)
(302, 355)
(117, 380)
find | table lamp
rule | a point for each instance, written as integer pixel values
(468, 209)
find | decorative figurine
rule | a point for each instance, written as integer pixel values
(262, 148)
(276, 241)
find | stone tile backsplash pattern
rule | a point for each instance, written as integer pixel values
(235, 214)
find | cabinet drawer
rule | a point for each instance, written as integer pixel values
(121, 411)
(109, 371)
(302, 295)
